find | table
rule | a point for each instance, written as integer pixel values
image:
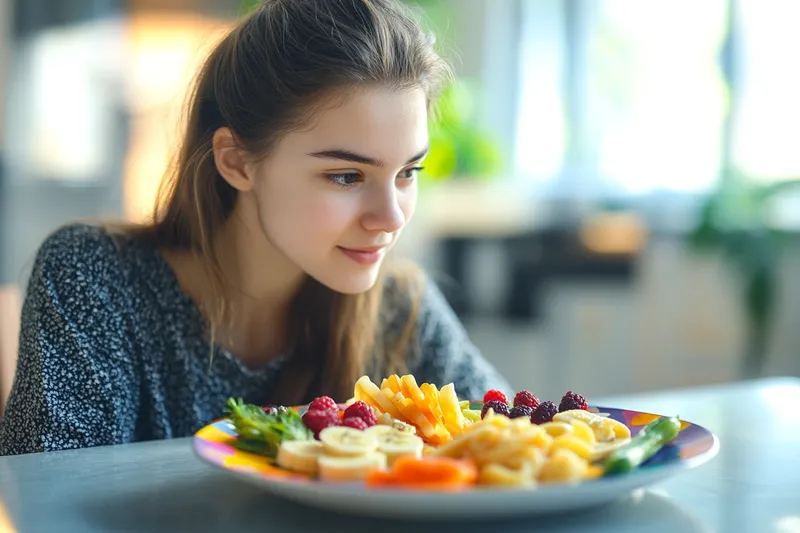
(753, 485)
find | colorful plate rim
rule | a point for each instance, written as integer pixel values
(693, 446)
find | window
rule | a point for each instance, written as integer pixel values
(624, 97)
(766, 142)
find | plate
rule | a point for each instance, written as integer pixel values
(694, 446)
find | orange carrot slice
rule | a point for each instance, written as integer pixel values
(439, 473)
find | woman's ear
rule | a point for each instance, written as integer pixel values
(230, 161)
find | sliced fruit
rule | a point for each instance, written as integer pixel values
(350, 468)
(583, 432)
(432, 396)
(299, 455)
(373, 396)
(605, 429)
(601, 450)
(343, 441)
(392, 382)
(556, 429)
(411, 413)
(448, 401)
(394, 443)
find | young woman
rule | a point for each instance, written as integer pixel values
(261, 275)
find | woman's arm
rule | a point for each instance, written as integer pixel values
(76, 383)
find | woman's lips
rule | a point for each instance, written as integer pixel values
(364, 256)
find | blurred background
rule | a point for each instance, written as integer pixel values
(610, 200)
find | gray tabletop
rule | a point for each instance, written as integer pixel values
(752, 485)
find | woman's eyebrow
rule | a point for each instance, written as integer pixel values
(354, 157)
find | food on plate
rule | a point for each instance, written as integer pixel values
(498, 407)
(361, 410)
(404, 435)
(643, 446)
(394, 443)
(343, 441)
(544, 413)
(527, 399)
(520, 453)
(469, 414)
(571, 401)
(347, 454)
(429, 473)
(299, 456)
(263, 431)
(317, 420)
(352, 468)
(495, 395)
(435, 413)
(520, 411)
(605, 429)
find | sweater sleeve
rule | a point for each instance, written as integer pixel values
(76, 383)
(446, 354)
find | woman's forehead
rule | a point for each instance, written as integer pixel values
(385, 124)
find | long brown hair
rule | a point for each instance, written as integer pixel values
(264, 79)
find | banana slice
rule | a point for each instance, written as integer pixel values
(601, 450)
(349, 468)
(343, 441)
(395, 443)
(605, 429)
(299, 455)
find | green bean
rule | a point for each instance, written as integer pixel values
(643, 446)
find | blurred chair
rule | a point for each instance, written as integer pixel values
(10, 309)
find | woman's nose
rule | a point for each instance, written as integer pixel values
(384, 211)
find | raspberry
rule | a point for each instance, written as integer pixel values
(544, 413)
(500, 408)
(361, 410)
(355, 422)
(323, 403)
(495, 394)
(524, 397)
(520, 411)
(572, 401)
(316, 420)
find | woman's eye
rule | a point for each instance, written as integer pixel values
(411, 173)
(345, 180)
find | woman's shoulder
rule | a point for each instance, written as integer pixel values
(86, 253)
(83, 247)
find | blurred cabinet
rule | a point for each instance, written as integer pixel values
(676, 323)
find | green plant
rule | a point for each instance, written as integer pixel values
(734, 221)
(458, 146)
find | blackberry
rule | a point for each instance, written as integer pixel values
(497, 406)
(520, 411)
(572, 401)
(544, 413)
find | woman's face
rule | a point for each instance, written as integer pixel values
(334, 198)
